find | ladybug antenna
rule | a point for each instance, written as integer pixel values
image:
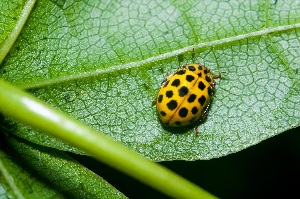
(194, 55)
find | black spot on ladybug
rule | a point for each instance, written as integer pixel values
(178, 123)
(162, 113)
(190, 78)
(191, 98)
(201, 85)
(183, 112)
(181, 72)
(172, 105)
(194, 110)
(169, 94)
(200, 67)
(166, 83)
(205, 71)
(160, 98)
(176, 82)
(200, 74)
(209, 91)
(202, 100)
(191, 68)
(183, 91)
(207, 79)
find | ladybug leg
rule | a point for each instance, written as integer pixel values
(217, 76)
(197, 124)
(196, 130)
(154, 101)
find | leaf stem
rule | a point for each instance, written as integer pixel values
(136, 64)
(12, 37)
(26, 108)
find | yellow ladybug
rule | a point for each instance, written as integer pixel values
(184, 97)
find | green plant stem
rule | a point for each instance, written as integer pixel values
(26, 108)
(12, 37)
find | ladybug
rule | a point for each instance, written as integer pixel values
(184, 97)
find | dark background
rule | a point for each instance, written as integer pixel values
(270, 169)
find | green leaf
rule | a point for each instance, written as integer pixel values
(8, 18)
(102, 63)
(33, 112)
(39, 172)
